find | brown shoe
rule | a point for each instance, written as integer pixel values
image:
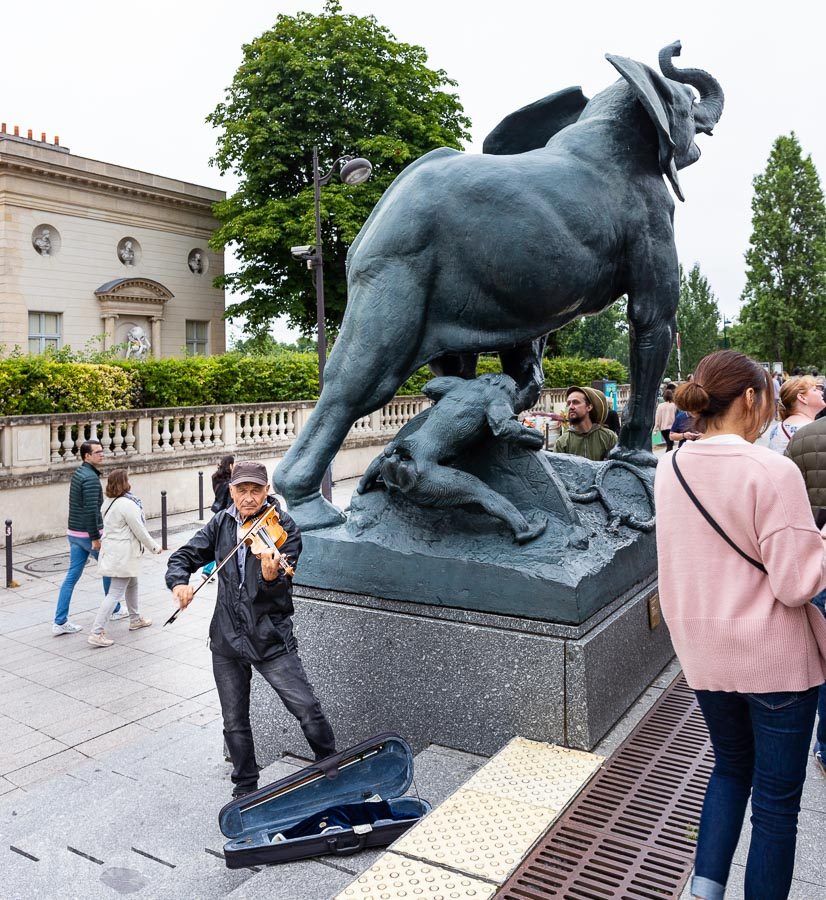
(140, 623)
(100, 640)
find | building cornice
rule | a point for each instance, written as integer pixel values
(107, 184)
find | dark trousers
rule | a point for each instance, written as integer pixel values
(761, 746)
(286, 675)
(669, 444)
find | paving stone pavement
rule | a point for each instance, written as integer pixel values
(111, 763)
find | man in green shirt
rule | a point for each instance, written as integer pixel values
(586, 435)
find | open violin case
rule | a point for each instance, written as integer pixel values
(340, 805)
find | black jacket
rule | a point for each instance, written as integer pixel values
(222, 498)
(251, 620)
(85, 499)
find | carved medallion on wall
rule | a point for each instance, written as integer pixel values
(129, 252)
(46, 240)
(197, 261)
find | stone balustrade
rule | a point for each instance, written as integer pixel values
(42, 442)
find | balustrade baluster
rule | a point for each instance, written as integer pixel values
(55, 443)
(207, 430)
(166, 435)
(156, 436)
(189, 444)
(130, 437)
(197, 432)
(218, 430)
(176, 433)
(117, 437)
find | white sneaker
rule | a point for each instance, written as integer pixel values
(100, 640)
(66, 628)
(140, 623)
(122, 613)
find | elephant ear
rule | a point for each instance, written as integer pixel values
(656, 97)
(534, 125)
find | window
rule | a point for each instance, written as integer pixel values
(44, 331)
(196, 338)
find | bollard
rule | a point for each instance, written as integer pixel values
(10, 582)
(201, 496)
(547, 435)
(163, 520)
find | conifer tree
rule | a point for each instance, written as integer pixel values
(783, 313)
(698, 317)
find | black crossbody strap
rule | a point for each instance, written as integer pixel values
(707, 517)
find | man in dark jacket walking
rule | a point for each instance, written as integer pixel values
(807, 449)
(251, 625)
(85, 526)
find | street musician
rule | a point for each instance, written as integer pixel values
(251, 626)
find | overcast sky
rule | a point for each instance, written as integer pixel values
(132, 83)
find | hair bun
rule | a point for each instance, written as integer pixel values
(692, 398)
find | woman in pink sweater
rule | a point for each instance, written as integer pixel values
(751, 645)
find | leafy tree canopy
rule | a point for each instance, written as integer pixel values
(782, 316)
(603, 336)
(698, 319)
(343, 83)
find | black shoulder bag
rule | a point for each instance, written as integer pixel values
(707, 517)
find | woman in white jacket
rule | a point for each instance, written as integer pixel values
(124, 539)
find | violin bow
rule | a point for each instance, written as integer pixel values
(224, 561)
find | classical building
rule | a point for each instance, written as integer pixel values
(91, 251)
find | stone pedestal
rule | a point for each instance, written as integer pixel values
(464, 679)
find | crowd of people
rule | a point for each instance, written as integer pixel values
(742, 581)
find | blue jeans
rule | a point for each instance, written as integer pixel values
(286, 674)
(761, 746)
(820, 740)
(80, 549)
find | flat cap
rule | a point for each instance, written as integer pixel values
(249, 471)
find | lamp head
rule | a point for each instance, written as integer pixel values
(356, 171)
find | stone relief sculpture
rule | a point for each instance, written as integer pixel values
(43, 242)
(127, 254)
(196, 263)
(565, 211)
(414, 463)
(137, 344)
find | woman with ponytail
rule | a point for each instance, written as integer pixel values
(739, 558)
(801, 399)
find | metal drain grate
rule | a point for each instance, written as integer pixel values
(632, 831)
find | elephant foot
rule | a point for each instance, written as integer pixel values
(635, 457)
(315, 512)
(533, 528)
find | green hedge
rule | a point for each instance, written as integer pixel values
(43, 384)
(30, 385)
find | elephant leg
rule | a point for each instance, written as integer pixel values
(461, 365)
(524, 365)
(652, 319)
(371, 358)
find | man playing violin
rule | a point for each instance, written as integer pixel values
(251, 626)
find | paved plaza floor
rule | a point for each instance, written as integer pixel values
(111, 763)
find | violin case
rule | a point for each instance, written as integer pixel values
(348, 802)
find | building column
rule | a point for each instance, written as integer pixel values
(156, 336)
(109, 331)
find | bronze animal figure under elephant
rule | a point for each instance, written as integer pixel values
(564, 212)
(414, 462)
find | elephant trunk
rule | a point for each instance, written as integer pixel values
(708, 110)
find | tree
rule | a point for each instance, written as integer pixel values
(698, 320)
(782, 315)
(343, 83)
(603, 336)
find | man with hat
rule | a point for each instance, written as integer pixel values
(251, 626)
(586, 435)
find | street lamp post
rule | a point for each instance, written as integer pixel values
(354, 170)
(726, 323)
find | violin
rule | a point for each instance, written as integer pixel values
(264, 534)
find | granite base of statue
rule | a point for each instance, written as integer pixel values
(463, 625)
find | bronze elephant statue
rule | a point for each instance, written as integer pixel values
(565, 211)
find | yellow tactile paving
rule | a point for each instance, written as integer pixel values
(539, 774)
(393, 877)
(477, 833)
